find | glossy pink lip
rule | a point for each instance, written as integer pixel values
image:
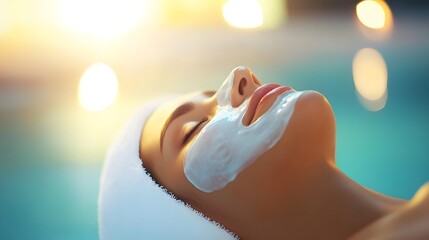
(258, 96)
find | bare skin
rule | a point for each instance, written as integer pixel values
(409, 222)
(294, 190)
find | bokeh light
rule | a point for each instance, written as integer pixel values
(371, 14)
(374, 18)
(370, 78)
(101, 18)
(243, 13)
(98, 87)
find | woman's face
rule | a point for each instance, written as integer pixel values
(178, 131)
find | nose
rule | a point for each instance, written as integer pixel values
(244, 84)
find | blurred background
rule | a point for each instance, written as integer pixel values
(72, 72)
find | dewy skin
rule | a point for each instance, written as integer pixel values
(225, 146)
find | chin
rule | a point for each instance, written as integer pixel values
(311, 130)
(314, 98)
(313, 104)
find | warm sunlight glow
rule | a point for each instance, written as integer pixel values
(98, 87)
(243, 13)
(101, 18)
(373, 13)
(370, 78)
(5, 18)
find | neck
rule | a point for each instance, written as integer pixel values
(322, 204)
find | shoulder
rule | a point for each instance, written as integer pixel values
(410, 221)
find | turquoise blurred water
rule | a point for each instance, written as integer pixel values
(45, 192)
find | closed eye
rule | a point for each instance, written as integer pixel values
(190, 132)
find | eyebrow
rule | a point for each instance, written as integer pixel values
(208, 93)
(179, 111)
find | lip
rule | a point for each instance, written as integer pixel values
(256, 100)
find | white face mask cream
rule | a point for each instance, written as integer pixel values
(225, 146)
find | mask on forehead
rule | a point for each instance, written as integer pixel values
(225, 146)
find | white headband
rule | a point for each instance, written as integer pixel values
(132, 206)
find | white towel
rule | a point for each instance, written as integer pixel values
(132, 206)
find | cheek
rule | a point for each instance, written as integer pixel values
(207, 160)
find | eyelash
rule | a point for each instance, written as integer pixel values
(193, 129)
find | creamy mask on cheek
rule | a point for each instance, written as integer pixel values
(225, 146)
